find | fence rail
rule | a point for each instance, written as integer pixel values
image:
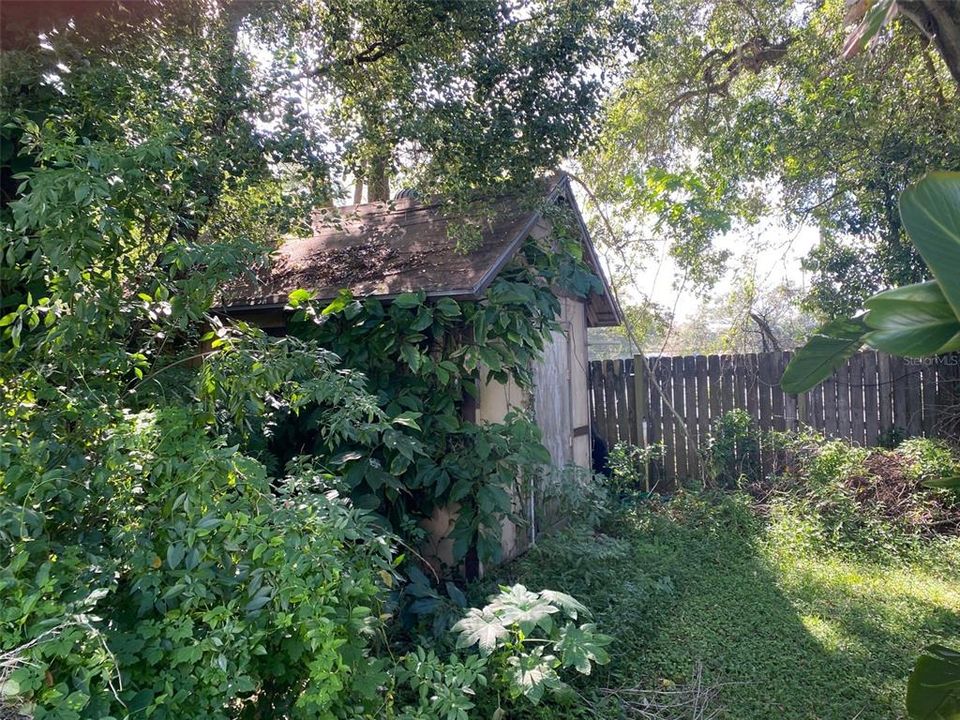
(676, 401)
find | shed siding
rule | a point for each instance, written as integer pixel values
(561, 400)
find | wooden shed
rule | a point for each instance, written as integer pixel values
(382, 250)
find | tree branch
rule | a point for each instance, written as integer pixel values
(370, 54)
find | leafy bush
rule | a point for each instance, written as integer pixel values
(177, 577)
(732, 452)
(629, 467)
(930, 461)
(575, 494)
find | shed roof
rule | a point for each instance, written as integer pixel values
(385, 249)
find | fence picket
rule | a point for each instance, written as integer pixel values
(665, 375)
(857, 414)
(703, 401)
(610, 399)
(842, 384)
(713, 380)
(680, 422)
(871, 398)
(623, 410)
(690, 414)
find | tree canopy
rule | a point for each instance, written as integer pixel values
(741, 110)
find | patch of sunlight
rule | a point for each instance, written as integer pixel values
(874, 582)
(830, 634)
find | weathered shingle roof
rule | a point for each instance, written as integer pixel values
(385, 249)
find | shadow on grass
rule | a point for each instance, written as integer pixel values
(786, 634)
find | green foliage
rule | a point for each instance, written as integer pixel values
(525, 641)
(931, 214)
(747, 319)
(630, 467)
(933, 692)
(916, 320)
(866, 500)
(931, 461)
(423, 360)
(435, 690)
(576, 494)
(732, 100)
(732, 451)
(528, 637)
(487, 92)
(825, 351)
(188, 584)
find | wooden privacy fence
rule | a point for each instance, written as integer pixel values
(870, 396)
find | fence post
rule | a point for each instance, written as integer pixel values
(640, 395)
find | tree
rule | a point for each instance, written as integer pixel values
(150, 563)
(741, 110)
(939, 22)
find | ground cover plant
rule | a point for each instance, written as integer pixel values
(734, 607)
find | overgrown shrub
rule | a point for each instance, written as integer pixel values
(871, 497)
(929, 461)
(573, 494)
(732, 452)
(156, 569)
(630, 468)
(509, 653)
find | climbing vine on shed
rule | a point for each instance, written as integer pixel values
(424, 358)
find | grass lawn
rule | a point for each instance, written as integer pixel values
(782, 627)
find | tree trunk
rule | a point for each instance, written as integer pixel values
(939, 20)
(378, 188)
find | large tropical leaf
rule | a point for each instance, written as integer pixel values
(533, 673)
(950, 481)
(482, 628)
(825, 351)
(933, 691)
(579, 646)
(931, 214)
(912, 321)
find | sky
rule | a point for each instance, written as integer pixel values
(771, 254)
